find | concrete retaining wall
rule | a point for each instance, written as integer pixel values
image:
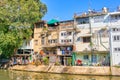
(115, 71)
(81, 70)
(85, 70)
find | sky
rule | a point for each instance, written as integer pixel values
(65, 9)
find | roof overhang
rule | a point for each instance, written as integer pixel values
(114, 13)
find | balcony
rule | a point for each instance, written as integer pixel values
(49, 45)
(52, 28)
(82, 26)
(65, 53)
(65, 44)
(115, 22)
(26, 47)
(66, 27)
(27, 44)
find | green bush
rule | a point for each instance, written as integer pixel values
(45, 60)
(57, 63)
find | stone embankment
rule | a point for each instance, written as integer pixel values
(84, 70)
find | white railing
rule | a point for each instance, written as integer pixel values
(82, 26)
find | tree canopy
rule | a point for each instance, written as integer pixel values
(16, 21)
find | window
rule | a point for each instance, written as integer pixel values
(54, 41)
(36, 42)
(94, 58)
(27, 43)
(82, 20)
(117, 49)
(61, 34)
(115, 29)
(39, 25)
(64, 40)
(70, 40)
(116, 38)
(61, 41)
(42, 40)
(65, 34)
(86, 57)
(86, 39)
(116, 16)
(69, 33)
(48, 41)
(98, 19)
(78, 39)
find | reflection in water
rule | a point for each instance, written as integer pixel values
(20, 75)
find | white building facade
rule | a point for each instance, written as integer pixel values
(92, 38)
(114, 27)
(97, 38)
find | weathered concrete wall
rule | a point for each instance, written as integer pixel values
(115, 71)
(66, 69)
(30, 68)
(86, 70)
(81, 70)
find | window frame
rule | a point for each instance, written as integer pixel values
(86, 57)
(36, 42)
(86, 39)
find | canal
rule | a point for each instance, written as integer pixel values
(20, 75)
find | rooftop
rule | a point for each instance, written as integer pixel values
(93, 12)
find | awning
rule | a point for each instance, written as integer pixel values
(52, 21)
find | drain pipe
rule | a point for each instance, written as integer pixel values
(101, 42)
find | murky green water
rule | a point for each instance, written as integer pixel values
(20, 75)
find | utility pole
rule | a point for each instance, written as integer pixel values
(89, 5)
(110, 43)
(89, 17)
(91, 44)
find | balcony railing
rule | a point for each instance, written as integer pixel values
(66, 27)
(49, 45)
(64, 43)
(82, 26)
(65, 53)
(94, 12)
(52, 28)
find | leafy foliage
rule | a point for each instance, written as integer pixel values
(16, 21)
(45, 60)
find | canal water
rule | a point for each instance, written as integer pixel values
(21, 75)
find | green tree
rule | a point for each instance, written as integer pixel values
(16, 22)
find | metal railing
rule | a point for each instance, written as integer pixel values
(95, 12)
